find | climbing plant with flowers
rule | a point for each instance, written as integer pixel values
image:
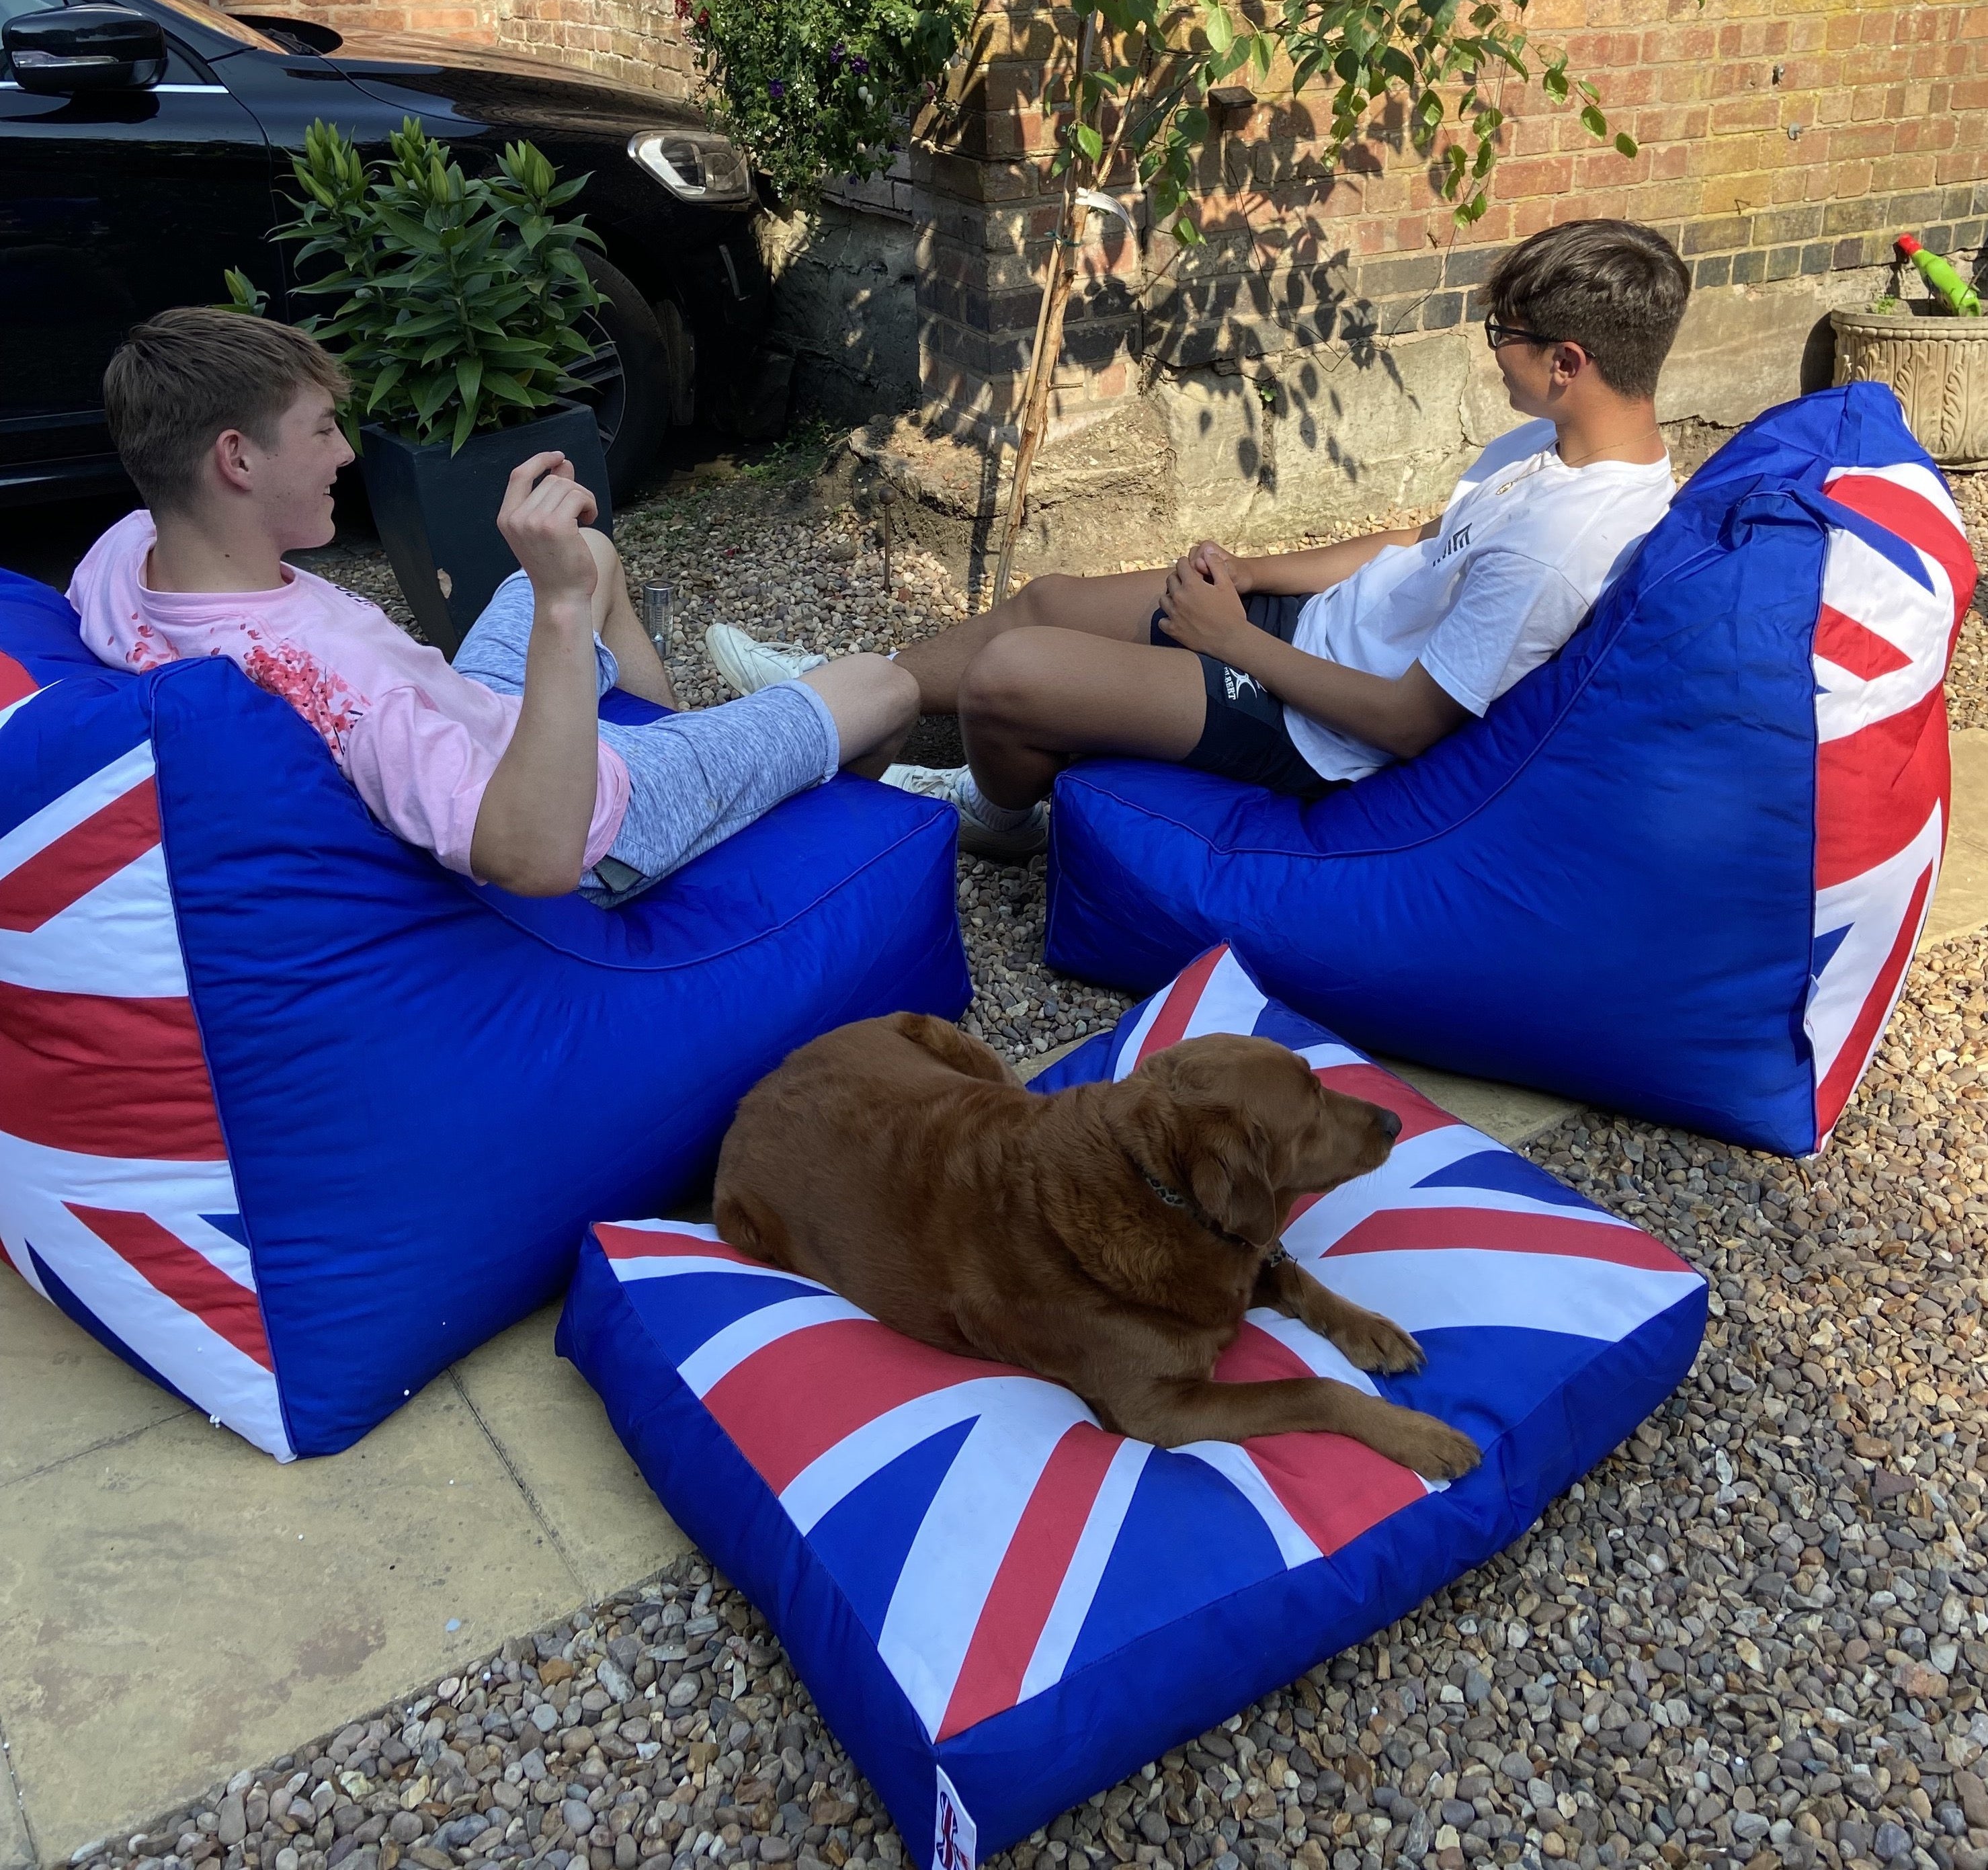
(816, 89)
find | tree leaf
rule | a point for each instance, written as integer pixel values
(1625, 144)
(1221, 32)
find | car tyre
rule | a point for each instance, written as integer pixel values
(627, 381)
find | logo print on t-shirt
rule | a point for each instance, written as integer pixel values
(1455, 543)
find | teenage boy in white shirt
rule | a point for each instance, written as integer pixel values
(1308, 670)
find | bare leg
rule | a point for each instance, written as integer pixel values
(1033, 698)
(1120, 605)
(616, 623)
(874, 704)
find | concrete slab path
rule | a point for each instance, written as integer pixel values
(174, 1605)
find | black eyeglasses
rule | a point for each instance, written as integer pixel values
(1498, 335)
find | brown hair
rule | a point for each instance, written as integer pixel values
(1615, 288)
(180, 379)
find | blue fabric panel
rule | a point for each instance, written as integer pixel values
(1604, 888)
(40, 633)
(427, 1087)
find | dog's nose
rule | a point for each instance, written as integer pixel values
(1391, 1124)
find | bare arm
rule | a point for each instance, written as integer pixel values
(1404, 716)
(532, 822)
(1300, 574)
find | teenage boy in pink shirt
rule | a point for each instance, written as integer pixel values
(498, 765)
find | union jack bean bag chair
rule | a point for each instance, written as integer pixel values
(1679, 871)
(290, 1116)
(999, 1607)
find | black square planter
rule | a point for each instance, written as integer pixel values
(437, 512)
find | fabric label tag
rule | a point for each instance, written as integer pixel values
(955, 1836)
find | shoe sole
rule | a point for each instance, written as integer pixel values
(980, 840)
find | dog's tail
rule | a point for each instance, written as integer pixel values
(746, 1221)
(950, 1046)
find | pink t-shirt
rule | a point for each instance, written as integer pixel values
(418, 741)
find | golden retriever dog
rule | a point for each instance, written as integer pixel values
(1109, 1237)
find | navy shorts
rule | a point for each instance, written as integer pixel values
(1242, 735)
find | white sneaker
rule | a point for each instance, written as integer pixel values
(949, 783)
(748, 665)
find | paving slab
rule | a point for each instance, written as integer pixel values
(64, 1393)
(173, 1603)
(1960, 904)
(16, 1849)
(553, 1435)
(1509, 1112)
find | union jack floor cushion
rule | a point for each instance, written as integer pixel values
(1001, 1609)
(291, 1117)
(1680, 870)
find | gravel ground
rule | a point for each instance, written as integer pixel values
(1757, 1634)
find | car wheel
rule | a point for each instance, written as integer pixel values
(626, 380)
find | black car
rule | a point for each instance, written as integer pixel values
(143, 154)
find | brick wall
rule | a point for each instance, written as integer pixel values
(1781, 140)
(636, 41)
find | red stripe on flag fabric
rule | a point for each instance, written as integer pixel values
(1024, 1590)
(1840, 639)
(92, 852)
(1182, 997)
(190, 1279)
(1497, 1230)
(1334, 1487)
(103, 1077)
(650, 1243)
(16, 683)
(1875, 789)
(1834, 1092)
(788, 1404)
(1915, 520)
(1418, 1116)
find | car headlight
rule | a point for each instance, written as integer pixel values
(695, 165)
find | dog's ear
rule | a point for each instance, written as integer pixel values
(1228, 1171)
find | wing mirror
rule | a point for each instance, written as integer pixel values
(70, 48)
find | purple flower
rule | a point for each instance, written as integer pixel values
(835, 53)
(858, 66)
(775, 88)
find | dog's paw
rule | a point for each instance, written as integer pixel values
(1370, 1342)
(1433, 1449)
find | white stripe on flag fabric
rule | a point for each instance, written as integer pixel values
(1462, 1288)
(13, 708)
(1233, 1463)
(214, 1375)
(83, 800)
(721, 1353)
(1230, 1002)
(963, 1538)
(114, 941)
(836, 1472)
(1392, 1186)
(1915, 476)
(1319, 1355)
(1079, 1590)
(1871, 906)
(672, 1266)
(1865, 585)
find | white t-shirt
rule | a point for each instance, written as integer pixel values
(1528, 546)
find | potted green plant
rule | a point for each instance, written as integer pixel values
(455, 306)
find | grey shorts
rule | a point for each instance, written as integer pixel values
(693, 779)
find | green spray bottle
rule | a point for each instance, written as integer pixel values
(1942, 277)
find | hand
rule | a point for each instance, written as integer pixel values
(1207, 557)
(1204, 612)
(544, 508)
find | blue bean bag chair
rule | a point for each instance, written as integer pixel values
(1000, 1607)
(290, 1116)
(1679, 871)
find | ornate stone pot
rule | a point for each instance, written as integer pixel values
(1937, 364)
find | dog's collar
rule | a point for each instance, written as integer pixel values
(1196, 1213)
